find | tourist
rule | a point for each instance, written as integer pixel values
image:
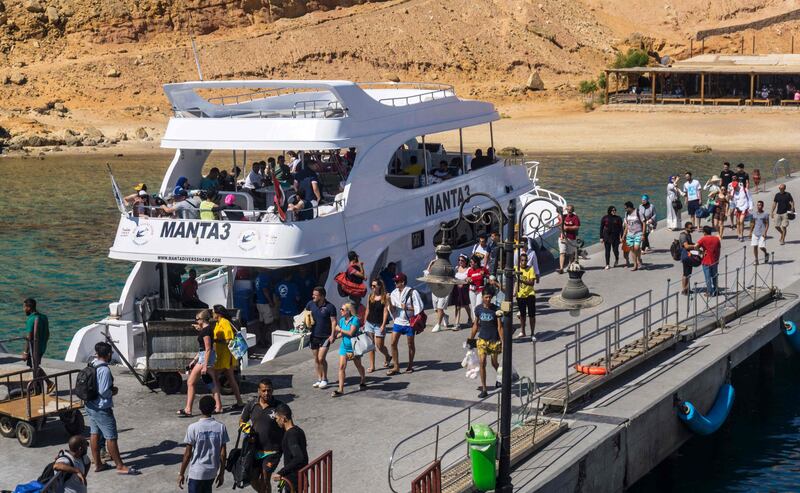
(441, 173)
(711, 246)
(226, 362)
(189, 298)
(265, 433)
(782, 205)
(209, 210)
(633, 233)
(264, 290)
(611, 235)
(182, 207)
(439, 305)
(101, 413)
(757, 179)
(742, 204)
(230, 210)
(255, 179)
(526, 294)
(694, 196)
(481, 249)
(568, 241)
(674, 204)
(726, 175)
(139, 187)
(324, 315)
(494, 249)
(405, 304)
(205, 451)
(489, 329)
(210, 182)
(294, 447)
(713, 188)
(477, 276)
(459, 296)
(286, 299)
(356, 273)
(308, 181)
(282, 172)
(376, 317)
(295, 164)
(348, 327)
(759, 226)
(721, 211)
(37, 334)
(387, 275)
(73, 464)
(183, 183)
(742, 177)
(647, 213)
(202, 364)
(141, 204)
(300, 209)
(688, 261)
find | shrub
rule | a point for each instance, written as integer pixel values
(633, 58)
(587, 86)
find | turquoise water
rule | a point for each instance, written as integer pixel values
(58, 220)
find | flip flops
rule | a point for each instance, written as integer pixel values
(183, 414)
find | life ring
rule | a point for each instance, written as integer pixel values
(591, 370)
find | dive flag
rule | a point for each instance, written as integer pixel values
(116, 192)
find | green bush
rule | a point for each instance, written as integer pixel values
(633, 58)
(602, 82)
(587, 86)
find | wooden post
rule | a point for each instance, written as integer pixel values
(691, 48)
(752, 87)
(653, 86)
(754, 44)
(741, 47)
(703, 46)
(608, 82)
(792, 50)
(702, 88)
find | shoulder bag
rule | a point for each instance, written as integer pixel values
(418, 321)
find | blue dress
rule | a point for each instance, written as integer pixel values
(347, 344)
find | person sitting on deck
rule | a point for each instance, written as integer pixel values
(141, 204)
(232, 212)
(209, 210)
(479, 160)
(441, 173)
(301, 210)
(283, 173)
(182, 207)
(254, 179)
(189, 297)
(413, 168)
(295, 165)
(211, 180)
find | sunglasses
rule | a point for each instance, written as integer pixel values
(374, 285)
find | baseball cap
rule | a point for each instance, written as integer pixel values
(230, 199)
(400, 277)
(139, 187)
(645, 197)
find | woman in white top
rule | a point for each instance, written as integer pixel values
(673, 193)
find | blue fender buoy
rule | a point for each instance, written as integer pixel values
(790, 329)
(708, 424)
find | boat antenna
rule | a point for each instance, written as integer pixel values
(194, 48)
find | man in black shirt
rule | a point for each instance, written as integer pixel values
(726, 175)
(489, 329)
(742, 176)
(266, 433)
(324, 314)
(295, 449)
(782, 205)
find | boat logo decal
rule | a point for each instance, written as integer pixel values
(442, 201)
(205, 230)
(142, 234)
(248, 239)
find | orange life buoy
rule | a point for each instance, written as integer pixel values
(591, 370)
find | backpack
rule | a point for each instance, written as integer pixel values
(49, 473)
(675, 250)
(86, 383)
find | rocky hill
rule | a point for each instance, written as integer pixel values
(89, 71)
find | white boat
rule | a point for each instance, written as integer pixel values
(376, 206)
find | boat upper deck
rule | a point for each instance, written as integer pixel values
(273, 114)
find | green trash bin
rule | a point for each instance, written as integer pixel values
(482, 443)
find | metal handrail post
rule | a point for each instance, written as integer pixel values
(737, 291)
(608, 349)
(744, 268)
(616, 327)
(535, 383)
(726, 271)
(436, 445)
(772, 272)
(578, 343)
(665, 309)
(755, 279)
(695, 310)
(566, 374)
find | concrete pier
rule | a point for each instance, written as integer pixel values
(615, 436)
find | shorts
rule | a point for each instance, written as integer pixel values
(633, 239)
(687, 267)
(319, 342)
(371, 328)
(527, 306)
(758, 241)
(201, 485)
(742, 214)
(265, 313)
(265, 466)
(720, 213)
(692, 206)
(567, 246)
(201, 357)
(782, 220)
(439, 303)
(489, 347)
(102, 422)
(405, 330)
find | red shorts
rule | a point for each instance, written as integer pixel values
(742, 213)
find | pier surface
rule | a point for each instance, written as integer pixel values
(613, 439)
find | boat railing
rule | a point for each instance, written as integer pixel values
(212, 274)
(431, 92)
(327, 112)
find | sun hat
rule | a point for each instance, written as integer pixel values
(230, 199)
(139, 187)
(715, 178)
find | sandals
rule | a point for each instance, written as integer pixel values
(336, 393)
(183, 414)
(392, 373)
(388, 363)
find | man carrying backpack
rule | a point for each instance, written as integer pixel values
(98, 395)
(73, 466)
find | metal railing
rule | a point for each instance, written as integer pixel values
(430, 480)
(37, 388)
(441, 441)
(317, 476)
(433, 91)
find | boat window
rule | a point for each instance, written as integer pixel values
(428, 160)
(466, 233)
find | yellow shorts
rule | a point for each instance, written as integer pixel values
(489, 347)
